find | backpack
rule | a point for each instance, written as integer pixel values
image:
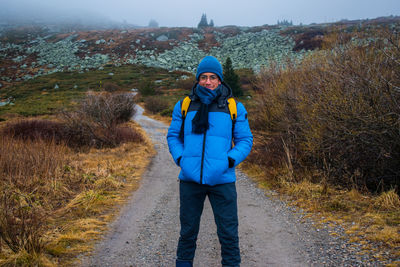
(231, 105)
(185, 106)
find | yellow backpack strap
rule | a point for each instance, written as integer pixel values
(232, 108)
(185, 106)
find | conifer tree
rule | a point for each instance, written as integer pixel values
(203, 21)
(153, 23)
(231, 78)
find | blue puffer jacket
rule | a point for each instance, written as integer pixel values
(203, 158)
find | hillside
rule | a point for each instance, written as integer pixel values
(323, 105)
(28, 52)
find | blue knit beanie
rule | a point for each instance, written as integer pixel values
(210, 64)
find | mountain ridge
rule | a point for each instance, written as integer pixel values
(30, 51)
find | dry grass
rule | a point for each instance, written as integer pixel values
(23, 258)
(389, 201)
(164, 119)
(31, 183)
(114, 173)
(365, 217)
(335, 112)
(90, 186)
(326, 136)
(387, 234)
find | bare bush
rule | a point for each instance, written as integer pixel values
(186, 83)
(338, 113)
(108, 109)
(35, 179)
(111, 87)
(309, 40)
(276, 119)
(147, 88)
(124, 134)
(155, 104)
(35, 129)
(95, 122)
(352, 129)
(246, 77)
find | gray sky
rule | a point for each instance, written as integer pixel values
(223, 12)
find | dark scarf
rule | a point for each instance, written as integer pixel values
(206, 96)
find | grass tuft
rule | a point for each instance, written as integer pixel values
(85, 202)
(389, 235)
(55, 202)
(108, 183)
(389, 201)
(23, 258)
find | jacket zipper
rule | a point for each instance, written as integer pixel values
(202, 157)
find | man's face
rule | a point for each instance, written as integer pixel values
(209, 80)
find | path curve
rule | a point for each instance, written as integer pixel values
(270, 232)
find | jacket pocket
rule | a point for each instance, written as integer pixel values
(190, 167)
(214, 169)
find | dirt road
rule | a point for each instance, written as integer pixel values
(271, 233)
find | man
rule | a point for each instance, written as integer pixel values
(200, 143)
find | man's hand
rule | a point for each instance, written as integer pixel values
(231, 162)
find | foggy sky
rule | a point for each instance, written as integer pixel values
(186, 13)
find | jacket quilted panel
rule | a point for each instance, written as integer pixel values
(204, 157)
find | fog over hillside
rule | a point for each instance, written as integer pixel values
(39, 14)
(179, 13)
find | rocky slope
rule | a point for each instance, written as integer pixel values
(170, 48)
(26, 53)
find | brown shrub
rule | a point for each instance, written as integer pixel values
(186, 84)
(126, 134)
(111, 87)
(108, 109)
(309, 40)
(34, 130)
(351, 119)
(27, 164)
(155, 104)
(276, 119)
(246, 80)
(95, 122)
(337, 113)
(36, 181)
(147, 88)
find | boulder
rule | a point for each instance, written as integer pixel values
(162, 38)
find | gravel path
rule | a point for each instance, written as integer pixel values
(271, 233)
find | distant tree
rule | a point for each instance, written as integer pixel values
(147, 88)
(211, 24)
(285, 22)
(203, 21)
(153, 23)
(231, 78)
